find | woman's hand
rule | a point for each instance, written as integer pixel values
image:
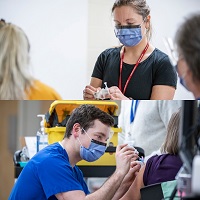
(89, 91)
(124, 156)
(116, 94)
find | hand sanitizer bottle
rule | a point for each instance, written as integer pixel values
(42, 137)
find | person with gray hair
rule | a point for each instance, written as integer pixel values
(16, 80)
(187, 40)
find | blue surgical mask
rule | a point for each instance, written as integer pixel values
(129, 35)
(182, 82)
(94, 151)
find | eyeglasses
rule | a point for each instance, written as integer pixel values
(174, 57)
(172, 53)
(102, 143)
(119, 28)
(127, 26)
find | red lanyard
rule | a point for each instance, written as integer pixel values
(133, 70)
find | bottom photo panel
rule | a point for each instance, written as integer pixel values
(130, 149)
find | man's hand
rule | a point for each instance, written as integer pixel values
(132, 173)
(125, 163)
(124, 155)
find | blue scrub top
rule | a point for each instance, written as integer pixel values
(46, 174)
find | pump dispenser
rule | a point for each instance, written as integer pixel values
(42, 137)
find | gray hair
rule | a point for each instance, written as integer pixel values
(188, 43)
(15, 77)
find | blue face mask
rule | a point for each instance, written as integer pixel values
(94, 151)
(128, 35)
(182, 82)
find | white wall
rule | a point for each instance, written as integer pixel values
(57, 30)
(100, 31)
(67, 36)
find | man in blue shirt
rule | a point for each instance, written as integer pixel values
(52, 173)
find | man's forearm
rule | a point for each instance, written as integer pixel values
(121, 191)
(108, 189)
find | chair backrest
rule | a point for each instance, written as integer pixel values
(158, 191)
(153, 192)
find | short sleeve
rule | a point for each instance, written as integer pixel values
(99, 68)
(41, 91)
(165, 73)
(57, 176)
(147, 172)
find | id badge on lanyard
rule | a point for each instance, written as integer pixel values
(133, 70)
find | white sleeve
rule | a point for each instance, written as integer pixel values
(124, 120)
(167, 108)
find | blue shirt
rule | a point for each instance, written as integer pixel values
(46, 174)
